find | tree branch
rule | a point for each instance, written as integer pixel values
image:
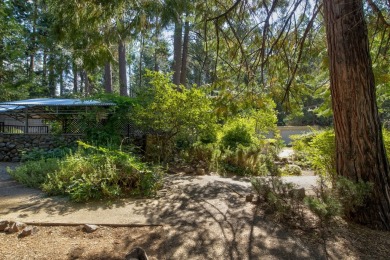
(376, 9)
(225, 13)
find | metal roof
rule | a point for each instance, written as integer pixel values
(52, 102)
(6, 108)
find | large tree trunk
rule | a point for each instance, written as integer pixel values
(360, 153)
(183, 73)
(107, 78)
(177, 39)
(122, 69)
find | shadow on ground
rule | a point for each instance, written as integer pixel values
(204, 217)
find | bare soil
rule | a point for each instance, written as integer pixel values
(342, 241)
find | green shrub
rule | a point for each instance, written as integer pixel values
(235, 136)
(323, 153)
(291, 169)
(325, 207)
(344, 199)
(316, 150)
(209, 154)
(91, 173)
(248, 161)
(182, 115)
(34, 173)
(39, 154)
(300, 145)
(352, 195)
(279, 197)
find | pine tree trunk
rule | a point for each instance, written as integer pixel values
(44, 68)
(1, 61)
(156, 41)
(107, 77)
(75, 83)
(141, 55)
(122, 69)
(52, 83)
(33, 39)
(62, 89)
(360, 153)
(183, 73)
(87, 86)
(177, 39)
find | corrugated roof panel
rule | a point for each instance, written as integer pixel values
(55, 102)
(6, 108)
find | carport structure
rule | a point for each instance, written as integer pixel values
(46, 115)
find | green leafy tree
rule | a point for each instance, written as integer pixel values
(170, 113)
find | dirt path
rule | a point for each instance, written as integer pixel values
(202, 217)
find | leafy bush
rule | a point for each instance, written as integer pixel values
(173, 111)
(39, 154)
(326, 206)
(91, 173)
(283, 199)
(209, 154)
(235, 136)
(291, 169)
(323, 153)
(103, 127)
(352, 195)
(317, 150)
(34, 173)
(345, 198)
(248, 161)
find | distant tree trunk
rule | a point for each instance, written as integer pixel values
(107, 77)
(183, 73)
(75, 82)
(82, 81)
(156, 41)
(122, 69)
(52, 83)
(87, 84)
(360, 153)
(131, 91)
(44, 69)
(33, 38)
(1, 60)
(177, 40)
(141, 54)
(62, 88)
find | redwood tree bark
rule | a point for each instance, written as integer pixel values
(360, 153)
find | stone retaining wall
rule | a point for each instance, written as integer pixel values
(13, 145)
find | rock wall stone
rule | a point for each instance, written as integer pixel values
(12, 146)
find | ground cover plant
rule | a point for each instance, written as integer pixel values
(91, 173)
